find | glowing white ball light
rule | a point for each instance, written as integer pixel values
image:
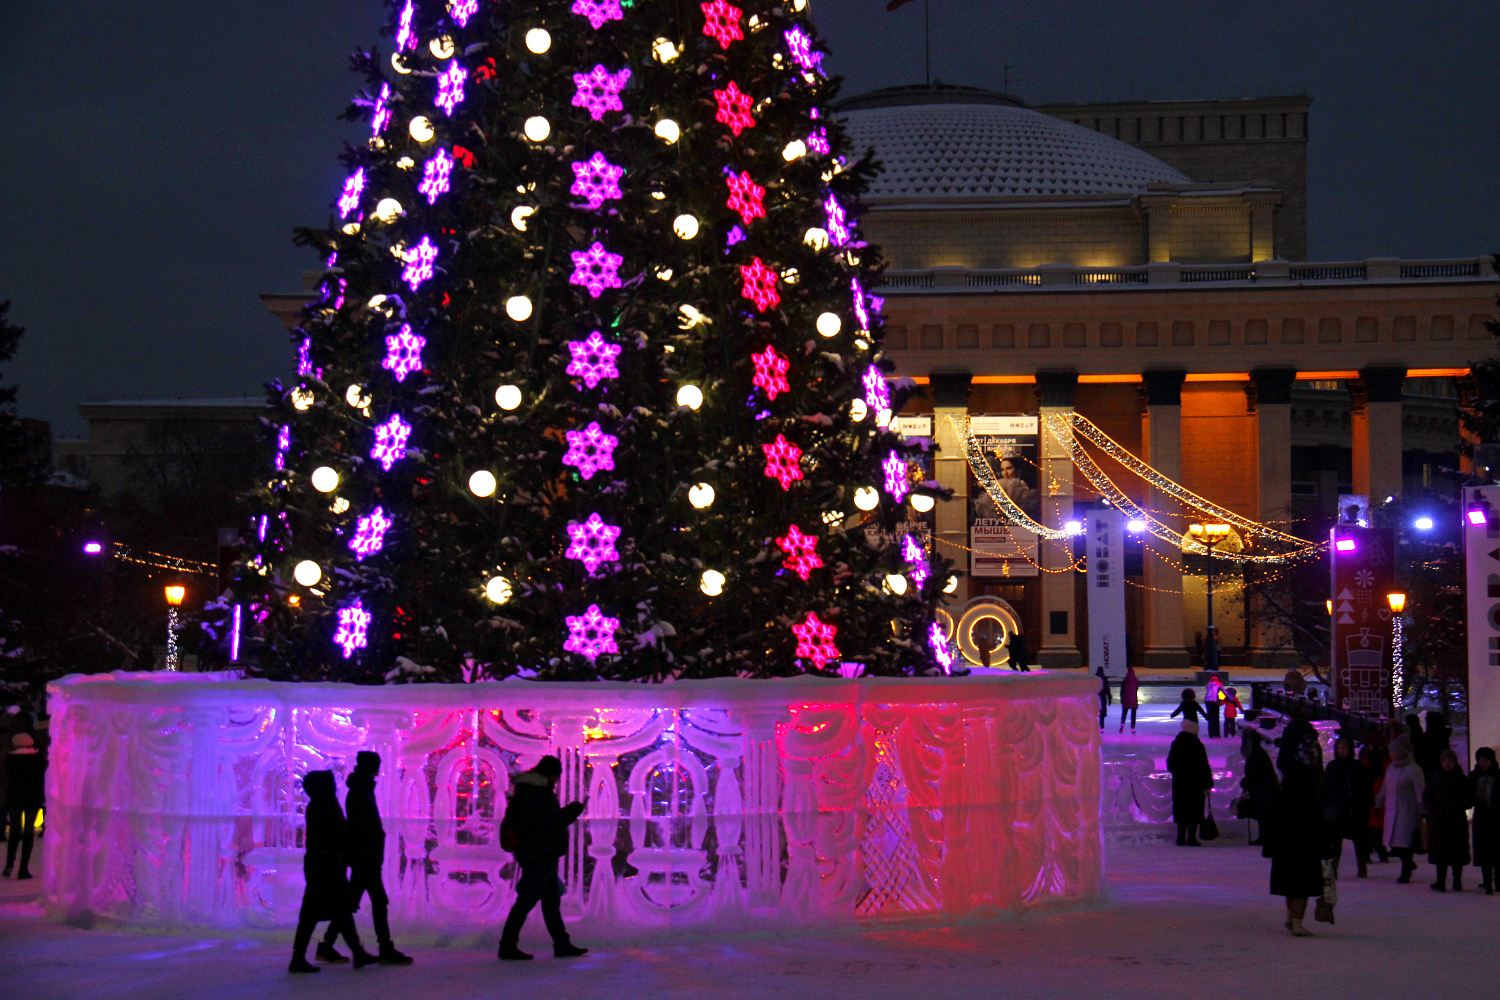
(518, 308)
(795, 149)
(951, 585)
(816, 238)
(355, 396)
(922, 502)
(498, 589)
(895, 583)
(664, 50)
(829, 325)
(441, 47)
(701, 496)
(690, 396)
(482, 483)
(865, 498)
(388, 210)
(508, 397)
(537, 128)
(667, 131)
(685, 226)
(307, 573)
(519, 215)
(858, 410)
(421, 129)
(325, 479)
(712, 583)
(538, 40)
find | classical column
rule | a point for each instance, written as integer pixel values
(1164, 620)
(1262, 224)
(950, 397)
(1157, 209)
(1059, 646)
(1271, 398)
(1375, 420)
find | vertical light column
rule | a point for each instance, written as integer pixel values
(1377, 432)
(1271, 393)
(950, 395)
(1059, 646)
(1164, 620)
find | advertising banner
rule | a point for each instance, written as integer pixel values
(1482, 561)
(1364, 563)
(1105, 533)
(1009, 444)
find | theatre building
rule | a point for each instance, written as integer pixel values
(1142, 266)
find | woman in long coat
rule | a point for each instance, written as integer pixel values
(1447, 800)
(1296, 841)
(1191, 780)
(1260, 781)
(1130, 698)
(325, 866)
(1347, 800)
(1484, 783)
(1401, 797)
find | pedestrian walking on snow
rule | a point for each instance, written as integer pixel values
(1484, 786)
(324, 865)
(1192, 779)
(1296, 841)
(1020, 655)
(535, 830)
(25, 794)
(1130, 698)
(1447, 801)
(1374, 759)
(366, 855)
(1259, 783)
(1401, 798)
(1105, 698)
(1347, 800)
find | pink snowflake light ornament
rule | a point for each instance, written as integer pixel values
(354, 186)
(406, 35)
(760, 285)
(390, 441)
(857, 296)
(815, 640)
(450, 88)
(596, 269)
(895, 477)
(598, 11)
(770, 372)
(799, 44)
(838, 228)
(369, 534)
(353, 630)
(462, 10)
(801, 552)
(591, 450)
(593, 359)
(403, 352)
(734, 108)
(721, 22)
(599, 91)
(597, 180)
(877, 392)
(783, 461)
(592, 542)
(746, 197)
(591, 634)
(419, 261)
(435, 174)
(382, 115)
(916, 560)
(937, 638)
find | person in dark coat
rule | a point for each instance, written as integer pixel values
(1434, 741)
(1212, 692)
(1418, 742)
(1484, 791)
(366, 855)
(1446, 799)
(539, 825)
(1020, 655)
(1191, 780)
(1299, 743)
(324, 865)
(1189, 708)
(1374, 759)
(1259, 783)
(1105, 698)
(1130, 698)
(1347, 800)
(25, 794)
(1296, 841)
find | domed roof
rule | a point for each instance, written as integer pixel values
(938, 143)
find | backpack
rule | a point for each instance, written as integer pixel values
(510, 837)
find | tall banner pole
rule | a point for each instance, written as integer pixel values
(1481, 526)
(1105, 533)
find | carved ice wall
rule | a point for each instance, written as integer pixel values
(175, 799)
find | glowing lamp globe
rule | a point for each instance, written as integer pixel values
(307, 573)
(537, 128)
(858, 410)
(796, 149)
(302, 399)
(355, 396)
(895, 583)
(388, 209)
(667, 131)
(951, 585)
(421, 129)
(816, 238)
(498, 589)
(866, 498)
(1422, 524)
(519, 215)
(518, 308)
(398, 64)
(508, 397)
(922, 503)
(685, 226)
(829, 325)
(538, 40)
(701, 496)
(664, 50)
(339, 505)
(441, 47)
(482, 483)
(1397, 602)
(325, 479)
(712, 582)
(690, 396)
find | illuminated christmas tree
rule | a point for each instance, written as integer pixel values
(594, 384)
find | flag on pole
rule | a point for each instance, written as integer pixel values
(895, 4)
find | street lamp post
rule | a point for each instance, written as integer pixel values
(175, 594)
(1397, 603)
(1209, 535)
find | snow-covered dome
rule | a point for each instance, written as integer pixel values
(938, 143)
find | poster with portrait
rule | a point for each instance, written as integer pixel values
(1009, 444)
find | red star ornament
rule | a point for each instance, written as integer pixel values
(783, 461)
(721, 22)
(760, 285)
(770, 372)
(801, 552)
(745, 197)
(734, 108)
(815, 640)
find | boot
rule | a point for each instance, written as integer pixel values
(363, 958)
(23, 873)
(510, 953)
(1364, 867)
(1295, 926)
(568, 949)
(1438, 886)
(301, 964)
(7, 871)
(327, 953)
(390, 956)
(1458, 882)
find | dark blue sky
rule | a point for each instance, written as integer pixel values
(157, 155)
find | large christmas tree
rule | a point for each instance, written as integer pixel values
(594, 387)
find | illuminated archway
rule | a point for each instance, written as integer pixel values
(977, 612)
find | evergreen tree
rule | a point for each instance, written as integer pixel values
(595, 378)
(23, 450)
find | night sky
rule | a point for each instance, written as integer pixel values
(158, 154)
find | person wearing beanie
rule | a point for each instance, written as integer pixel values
(535, 830)
(1401, 798)
(1447, 801)
(24, 797)
(1191, 781)
(324, 865)
(366, 855)
(1484, 784)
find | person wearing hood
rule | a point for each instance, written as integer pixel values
(1192, 779)
(1130, 698)
(25, 793)
(1105, 698)
(1297, 842)
(1484, 787)
(366, 855)
(324, 864)
(537, 825)
(1347, 799)
(1447, 801)
(1259, 783)
(1401, 798)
